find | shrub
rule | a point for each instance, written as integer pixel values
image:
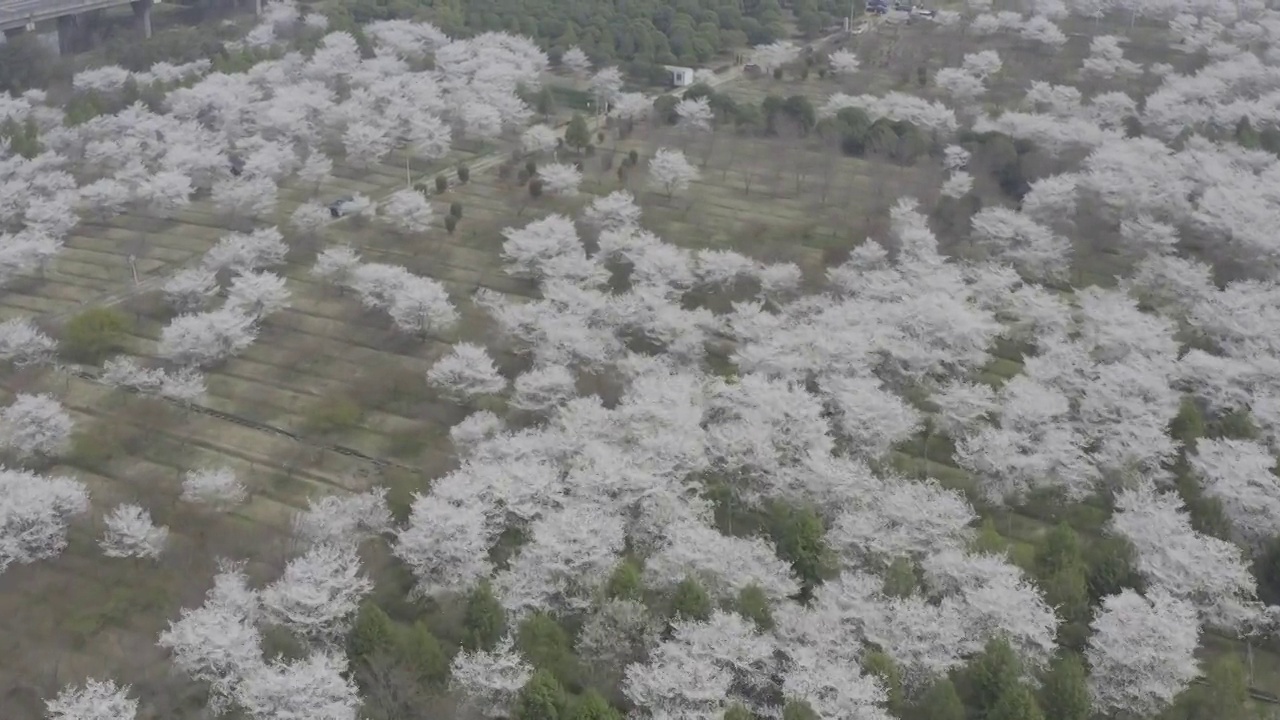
(535, 187)
(455, 210)
(531, 168)
(333, 415)
(422, 188)
(450, 224)
(94, 335)
(777, 73)
(464, 173)
(442, 183)
(634, 157)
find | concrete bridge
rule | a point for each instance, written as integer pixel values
(19, 16)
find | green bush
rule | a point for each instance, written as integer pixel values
(333, 415)
(455, 210)
(450, 224)
(95, 335)
(442, 183)
(535, 188)
(464, 173)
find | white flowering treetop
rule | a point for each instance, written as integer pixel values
(319, 593)
(216, 487)
(560, 179)
(131, 533)
(95, 700)
(23, 344)
(35, 426)
(407, 210)
(1142, 652)
(539, 138)
(670, 171)
(347, 518)
(316, 688)
(490, 680)
(34, 513)
(466, 371)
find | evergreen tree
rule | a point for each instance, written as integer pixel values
(373, 632)
(800, 539)
(939, 702)
(577, 135)
(989, 676)
(1017, 702)
(419, 651)
(1064, 692)
(547, 647)
(753, 604)
(484, 621)
(592, 706)
(627, 581)
(541, 698)
(691, 601)
(738, 712)
(900, 578)
(882, 666)
(799, 710)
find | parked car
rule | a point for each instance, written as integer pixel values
(342, 206)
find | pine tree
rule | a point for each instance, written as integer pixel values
(419, 651)
(882, 666)
(592, 706)
(484, 621)
(799, 710)
(691, 601)
(1017, 702)
(939, 702)
(801, 540)
(577, 135)
(541, 698)
(373, 632)
(1064, 692)
(753, 604)
(626, 582)
(989, 676)
(546, 646)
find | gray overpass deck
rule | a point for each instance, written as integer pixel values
(17, 14)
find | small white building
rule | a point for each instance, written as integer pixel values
(680, 76)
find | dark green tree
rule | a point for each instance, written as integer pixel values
(419, 651)
(546, 646)
(1246, 136)
(1266, 568)
(450, 224)
(900, 578)
(577, 135)
(753, 604)
(464, 173)
(372, 632)
(484, 620)
(592, 706)
(442, 183)
(1113, 563)
(799, 710)
(989, 676)
(1064, 692)
(455, 210)
(800, 539)
(1017, 702)
(627, 581)
(690, 601)
(882, 666)
(939, 702)
(738, 712)
(541, 698)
